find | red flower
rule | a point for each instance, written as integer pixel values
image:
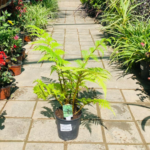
(143, 44)
(15, 46)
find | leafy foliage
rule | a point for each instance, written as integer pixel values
(5, 77)
(8, 32)
(132, 44)
(52, 5)
(71, 79)
(119, 12)
(36, 15)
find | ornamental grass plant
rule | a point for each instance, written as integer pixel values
(132, 44)
(36, 15)
(130, 33)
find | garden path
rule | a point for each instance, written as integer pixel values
(28, 122)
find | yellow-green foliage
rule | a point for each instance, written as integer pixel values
(71, 79)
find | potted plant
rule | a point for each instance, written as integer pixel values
(18, 51)
(70, 82)
(5, 83)
(13, 49)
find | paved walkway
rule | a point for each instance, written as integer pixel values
(28, 122)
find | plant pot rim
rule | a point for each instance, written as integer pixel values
(16, 65)
(68, 120)
(6, 86)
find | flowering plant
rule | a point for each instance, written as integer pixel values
(9, 40)
(17, 45)
(21, 9)
(18, 10)
(5, 77)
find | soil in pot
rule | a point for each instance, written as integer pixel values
(16, 68)
(5, 92)
(67, 129)
(145, 70)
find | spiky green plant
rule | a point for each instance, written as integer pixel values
(119, 12)
(71, 79)
(36, 15)
(132, 44)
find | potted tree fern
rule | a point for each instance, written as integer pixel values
(70, 82)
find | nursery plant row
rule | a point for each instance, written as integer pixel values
(127, 23)
(14, 33)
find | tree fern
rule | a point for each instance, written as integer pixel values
(71, 79)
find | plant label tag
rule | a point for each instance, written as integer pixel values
(65, 127)
(67, 111)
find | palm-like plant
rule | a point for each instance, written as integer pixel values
(71, 79)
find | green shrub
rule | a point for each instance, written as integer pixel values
(132, 44)
(52, 5)
(119, 12)
(36, 15)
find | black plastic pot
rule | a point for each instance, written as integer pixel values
(68, 129)
(145, 70)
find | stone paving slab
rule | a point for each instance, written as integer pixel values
(89, 132)
(2, 103)
(44, 146)
(113, 95)
(144, 126)
(123, 83)
(122, 132)
(121, 112)
(91, 64)
(19, 108)
(86, 146)
(11, 145)
(15, 129)
(44, 130)
(144, 109)
(43, 110)
(24, 94)
(136, 96)
(27, 77)
(126, 147)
